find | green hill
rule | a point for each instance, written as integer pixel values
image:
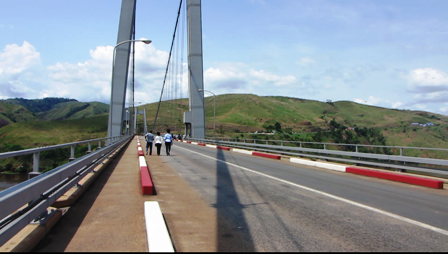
(21, 110)
(14, 113)
(74, 110)
(38, 105)
(243, 113)
(45, 133)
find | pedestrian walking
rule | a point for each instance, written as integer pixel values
(158, 140)
(168, 141)
(149, 139)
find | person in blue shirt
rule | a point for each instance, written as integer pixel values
(149, 138)
(168, 141)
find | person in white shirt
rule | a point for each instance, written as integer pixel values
(168, 141)
(158, 140)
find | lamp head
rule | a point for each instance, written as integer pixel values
(200, 90)
(146, 41)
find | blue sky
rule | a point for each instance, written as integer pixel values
(385, 53)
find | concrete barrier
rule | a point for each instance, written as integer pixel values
(140, 151)
(266, 155)
(31, 234)
(194, 143)
(302, 161)
(437, 184)
(156, 231)
(69, 197)
(145, 177)
(330, 166)
(188, 142)
(201, 144)
(242, 151)
(212, 146)
(223, 148)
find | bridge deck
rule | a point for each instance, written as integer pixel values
(109, 216)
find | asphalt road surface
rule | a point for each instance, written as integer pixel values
(271, 205)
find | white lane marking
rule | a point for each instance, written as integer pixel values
(156, 231)
(414, 222)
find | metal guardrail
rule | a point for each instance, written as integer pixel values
(43, 190)
(360, 158)
(36, 151)
(258, 141)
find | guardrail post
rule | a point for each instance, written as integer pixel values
(325, 146)
(36, 159)
(356, 148)
(281, 143)
(72, 153)
(300, 144)
(401, 151)
(90, 148)
(99, 144)
(266, 142)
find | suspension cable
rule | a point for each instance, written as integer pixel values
(169, 57)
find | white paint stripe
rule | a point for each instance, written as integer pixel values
(212, 146)
(241, 151)
(414, 222)
(194, 143)
(142, 161)
(304, 162)
(139, 148)
(158, 238)
(330, 166)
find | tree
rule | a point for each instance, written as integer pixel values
(8, 167)
(278, 127)
(269, 128)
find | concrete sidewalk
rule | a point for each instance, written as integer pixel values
(109, 216)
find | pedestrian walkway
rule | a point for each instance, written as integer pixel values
(109, 216)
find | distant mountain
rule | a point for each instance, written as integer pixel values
(38, 105)
(48, 109)
(74, 110)
(14, 113)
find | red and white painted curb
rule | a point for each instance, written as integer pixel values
(437, 184)
(145, 176)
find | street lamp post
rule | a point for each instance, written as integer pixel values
(214, 111)
(109, 132)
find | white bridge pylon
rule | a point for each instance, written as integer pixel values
(194, 119)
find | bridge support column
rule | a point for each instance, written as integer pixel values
(120, 69)
(195, 70)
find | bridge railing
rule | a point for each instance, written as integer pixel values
(401, 162)
(36, 151)
(29, 200)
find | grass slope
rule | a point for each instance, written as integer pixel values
(238, 113)
(44, 133)
(13, 113)
(74, 110)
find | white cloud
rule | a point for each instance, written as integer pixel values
(269, 78)
(373, 101)
(23, 75)
(306, 61)
(15, 59)
(428, 77)
(396, 104)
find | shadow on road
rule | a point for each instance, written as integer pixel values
(233, 231)
(62, 233)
